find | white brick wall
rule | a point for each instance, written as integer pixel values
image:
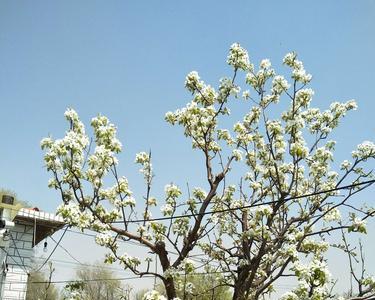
(13, 284)
(19, 259)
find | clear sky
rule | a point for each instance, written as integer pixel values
(128, 60)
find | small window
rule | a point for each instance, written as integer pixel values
(7, 199)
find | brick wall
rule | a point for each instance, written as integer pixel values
(19, 259)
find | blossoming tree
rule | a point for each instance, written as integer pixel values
(272, 196)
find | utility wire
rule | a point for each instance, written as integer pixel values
(127, 242)
(18, 253)
(66, 251)
(136, 244)
(133, 277)
(7, 255)
(192, 257)
(369, 182)
(91, 280)
(60, 261)
(77, 262)
(54, 249)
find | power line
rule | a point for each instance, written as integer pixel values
(54, 249)
(137, 244)
(100, 279)
(60, 261)
(66, 251)
(94, 235)
(135, 277)
(7, 255)
(90, 280)
(18, 253)
(192, 257)
(122, 278)
(369, 182)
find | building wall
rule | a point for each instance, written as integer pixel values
(20, 251)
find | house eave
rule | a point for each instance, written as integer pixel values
(45, 224)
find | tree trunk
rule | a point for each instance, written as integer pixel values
(242, 284)
(170, 288)
(239, 292)
(164, 261)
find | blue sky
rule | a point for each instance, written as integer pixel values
(128, 60)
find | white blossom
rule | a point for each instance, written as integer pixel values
(153, 295)
(238, 57)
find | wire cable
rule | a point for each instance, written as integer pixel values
(54, 249)
(61, 261)
(66, 251)
(132, 277)
(90, 280)
(369, 182)
(16, 263)
(18, 253)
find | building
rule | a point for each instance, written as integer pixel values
(22, 229)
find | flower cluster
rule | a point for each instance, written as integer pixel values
(313, 281)
(197, 121)
(364, 151)
(357, 224)
(104, 239)
(332, 214)
(144, 160)
(193, 82)
(259, 79)
(67, 152)
(298, 72)
(105, 134)
(238, 57)
(172, 192)
(153, 295)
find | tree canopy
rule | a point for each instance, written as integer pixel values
(272, 196)
(95, 282)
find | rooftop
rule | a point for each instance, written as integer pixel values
(45, 223)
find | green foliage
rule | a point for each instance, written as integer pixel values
(40, 291)
(88, 287)
(200, 287)
(206, 288)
